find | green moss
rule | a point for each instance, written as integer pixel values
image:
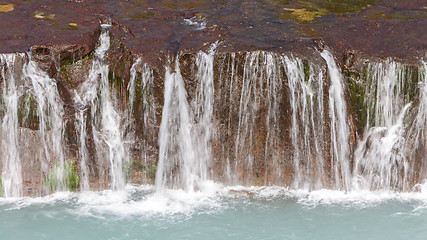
(276, 3)
(141, 94)
(411, 78)
(308, 11)
(148, 169)
(70, 180)
(371, 93)
(115, 82)
(27, 112)
(306, 68)
(338, 6)
(71, 59)
(65, 75)
(357, 89)
(1, 187)
(68, 63)
(142, 15)
(363, 92)
(2, 107)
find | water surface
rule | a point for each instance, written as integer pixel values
(218, 213)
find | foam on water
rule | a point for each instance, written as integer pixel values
(143, 201)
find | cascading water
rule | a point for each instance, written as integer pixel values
(259, 96)
(185, 130)
(248, 105)
(28, 90)
(258, 91)
(175, 124)
(142, 115)
(11, 177)
(418, 131)
(203, 106)
(106, 121)
(340, 133)
(132, 83)
(306, 92)
(51, 124)
(380, 159)
(252, 98)
(83, 153)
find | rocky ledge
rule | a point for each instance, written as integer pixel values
(62, 37)
(370, 28)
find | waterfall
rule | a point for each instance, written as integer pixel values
(263, 119)
(248, 105)
(257, 97)
(185, 130)
(35, 90)
(306, 93)
(418, 131)
(132, 83)
(274, 85)
(142, 115)
(83, 153)
(175, 140)
(107, 134)
(11, 177)
(51, 123)
(380, 159)
(203, 106)
(340, 133)
(227, 87)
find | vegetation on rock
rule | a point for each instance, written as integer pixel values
(6, 8)
(69, 181)
(1, 187)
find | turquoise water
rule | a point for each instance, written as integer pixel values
(219, 213)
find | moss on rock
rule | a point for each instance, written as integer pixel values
(1, 187)
(70, 180)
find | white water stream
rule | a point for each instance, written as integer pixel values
(262, 91)
(106, 121)
(11, 173)
(185, 130)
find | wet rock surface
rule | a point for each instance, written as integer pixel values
(62, 30)
(62, 36)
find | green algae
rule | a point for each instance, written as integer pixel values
(309, 11)
(1, 187)
(69, 180)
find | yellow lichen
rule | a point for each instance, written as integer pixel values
(6, 8)
(305, 15)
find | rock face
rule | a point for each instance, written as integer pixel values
(238, 92)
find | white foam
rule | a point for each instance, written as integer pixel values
(330, 197)
(168, 202)
(145, 202)
(22, 202)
